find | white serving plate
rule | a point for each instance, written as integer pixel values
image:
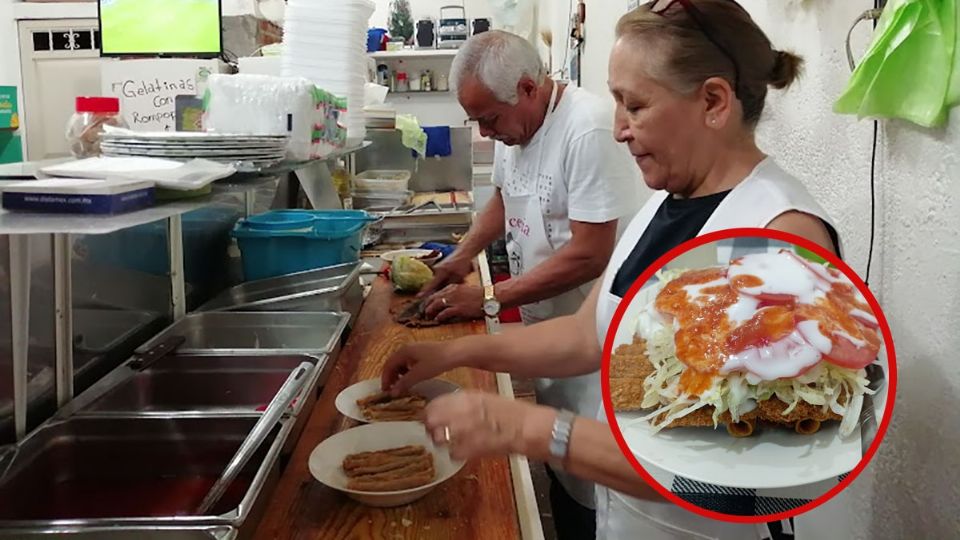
(346, 401)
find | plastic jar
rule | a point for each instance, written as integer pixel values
(85, 128)
(402, 84)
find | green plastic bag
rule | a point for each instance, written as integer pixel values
(411, 134)
(910, 71)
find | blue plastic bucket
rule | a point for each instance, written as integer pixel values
(375, 39)
(282, 220)
(269, 250)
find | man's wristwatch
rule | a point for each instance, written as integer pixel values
(491, 306)
(560, 438)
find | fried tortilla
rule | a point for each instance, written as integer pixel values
(364, 458)
(628, 368)
(393, 469)
(381, 407)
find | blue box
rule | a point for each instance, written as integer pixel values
(69, 203)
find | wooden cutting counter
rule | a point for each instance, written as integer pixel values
(490, 498)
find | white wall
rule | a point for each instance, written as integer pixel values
(910, 489)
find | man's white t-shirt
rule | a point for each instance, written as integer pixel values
(584, 174)
(579, 172)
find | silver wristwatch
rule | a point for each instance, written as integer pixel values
(560, 437)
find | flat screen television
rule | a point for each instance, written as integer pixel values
(160, 28)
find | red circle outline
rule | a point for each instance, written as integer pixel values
(726, 234)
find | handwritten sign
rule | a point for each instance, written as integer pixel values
(148, 89)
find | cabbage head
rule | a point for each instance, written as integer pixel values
(409, 274)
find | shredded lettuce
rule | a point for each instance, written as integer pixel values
(825, 385)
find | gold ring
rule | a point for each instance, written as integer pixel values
(446, 434)
(443, 301)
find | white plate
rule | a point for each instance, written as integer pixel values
(211, 139)
(192, 153)
(326, 460)
(193, 136)
(772, 458)
(391, 256)
(195, 146)
(346, 401)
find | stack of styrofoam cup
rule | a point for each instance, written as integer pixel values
(325, 41)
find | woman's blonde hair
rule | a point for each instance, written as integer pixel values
(732, 46)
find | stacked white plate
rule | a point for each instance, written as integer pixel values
(258, 150)
(325, 42)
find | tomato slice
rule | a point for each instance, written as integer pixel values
(866, 319)
(744, 282)
(852, 344)
(848, 354)
(775, 299)
(823, 275)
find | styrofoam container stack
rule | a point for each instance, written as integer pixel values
(325, 42)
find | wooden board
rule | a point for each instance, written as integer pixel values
(478, 503)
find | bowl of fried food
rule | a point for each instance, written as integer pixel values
(386, 464)
(365, 402)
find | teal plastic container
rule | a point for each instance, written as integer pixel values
(288, 241)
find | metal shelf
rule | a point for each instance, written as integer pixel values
(290, 166)
(16, 223)
(415, 53)
(421, 93)
(36, 223)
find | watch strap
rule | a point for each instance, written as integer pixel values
(560, 437)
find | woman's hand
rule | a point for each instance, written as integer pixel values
(477, 424)
(411, 364)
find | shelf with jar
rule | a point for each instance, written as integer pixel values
(415, 81)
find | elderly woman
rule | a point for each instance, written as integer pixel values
(690, 79)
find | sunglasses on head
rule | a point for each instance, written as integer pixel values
(660, 7)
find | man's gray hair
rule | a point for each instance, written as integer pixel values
(499, 60)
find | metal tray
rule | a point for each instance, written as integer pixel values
(130, 477)
(184, 386)
(197, 386)
(257, 333)
(334, 288)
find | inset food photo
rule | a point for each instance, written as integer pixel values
(749, 368)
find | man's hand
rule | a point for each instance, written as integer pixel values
(456, 302)
(411, 364)
(451, 271)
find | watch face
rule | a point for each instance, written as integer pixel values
(491, 308)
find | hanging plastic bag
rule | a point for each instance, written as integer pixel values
(909, 71)
(411, 134)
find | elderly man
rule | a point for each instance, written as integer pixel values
(564, 189)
